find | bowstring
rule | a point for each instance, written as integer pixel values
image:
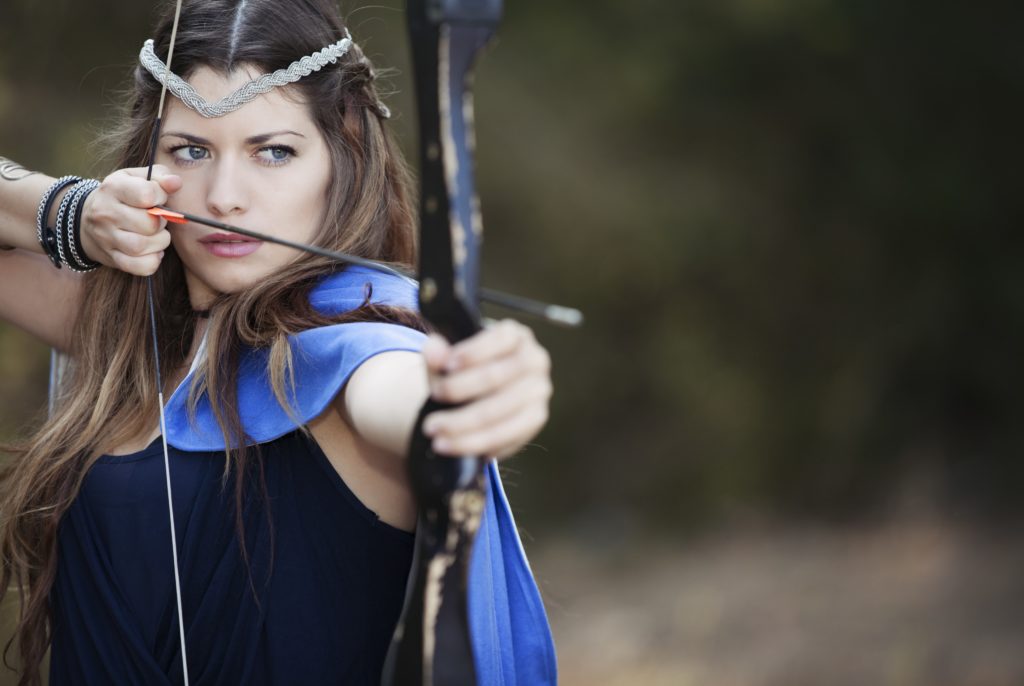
(156, 357)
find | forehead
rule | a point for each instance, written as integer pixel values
(279, 108)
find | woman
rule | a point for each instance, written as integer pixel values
(293, 385)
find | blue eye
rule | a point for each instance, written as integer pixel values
(189, 154)
(274, 155)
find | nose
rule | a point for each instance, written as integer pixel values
(228, 192)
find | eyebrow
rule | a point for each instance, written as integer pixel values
(251, 140)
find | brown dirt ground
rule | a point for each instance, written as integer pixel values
(898, 604)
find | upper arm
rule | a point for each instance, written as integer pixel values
(383, 398)
(38, 298)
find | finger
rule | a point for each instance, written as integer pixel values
(160, 170)
(500, 440)
(143, 172)
(108, 225)
(474, 382)
(138, 220)
(132, 219)
(148, 236)
(492, 342)
(171, 183)
(136, 245)
(436, 351)
(129, 186)
(168, 181)
(140, 266)
(479, 415)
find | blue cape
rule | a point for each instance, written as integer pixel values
(512, 641)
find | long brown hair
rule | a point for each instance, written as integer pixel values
(110, 395)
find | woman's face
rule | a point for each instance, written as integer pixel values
(263, 167)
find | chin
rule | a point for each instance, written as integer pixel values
(231, 278)
(236, 283)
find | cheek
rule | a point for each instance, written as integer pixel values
(312, 213)
(178, 240)
(308, 202)
(183, 236)
(189, 198)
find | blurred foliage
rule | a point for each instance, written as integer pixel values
(790, 223)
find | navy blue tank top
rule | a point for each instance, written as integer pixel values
(315, 603)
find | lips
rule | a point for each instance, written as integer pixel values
(230, 244)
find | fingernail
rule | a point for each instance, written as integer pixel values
(441, 445)
(429, 427)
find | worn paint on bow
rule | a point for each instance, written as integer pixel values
(432, 643)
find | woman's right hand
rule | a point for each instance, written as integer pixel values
(116, 229)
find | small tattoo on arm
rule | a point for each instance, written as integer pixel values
(12, 171)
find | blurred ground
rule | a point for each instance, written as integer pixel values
(914, 602)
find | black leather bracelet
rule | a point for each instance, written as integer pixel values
(46, 235)
(76, 258)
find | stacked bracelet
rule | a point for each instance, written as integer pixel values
(63, 243)
(47, 236)
(71, 231)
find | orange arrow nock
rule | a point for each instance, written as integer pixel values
(169, 215)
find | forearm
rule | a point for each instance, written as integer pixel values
(37, 298)
(20, 192)
(497, 382)
(33, 295)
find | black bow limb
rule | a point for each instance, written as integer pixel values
(432, 644)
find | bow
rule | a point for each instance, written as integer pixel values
(432, 641)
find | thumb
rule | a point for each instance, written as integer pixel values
(171, 183)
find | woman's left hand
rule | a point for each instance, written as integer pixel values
(503, 377)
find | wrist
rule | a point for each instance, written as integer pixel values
(51, 204)
(60, 239)
(86, 240)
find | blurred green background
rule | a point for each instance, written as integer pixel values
(786, 447)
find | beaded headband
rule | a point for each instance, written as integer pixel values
(254, 88)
